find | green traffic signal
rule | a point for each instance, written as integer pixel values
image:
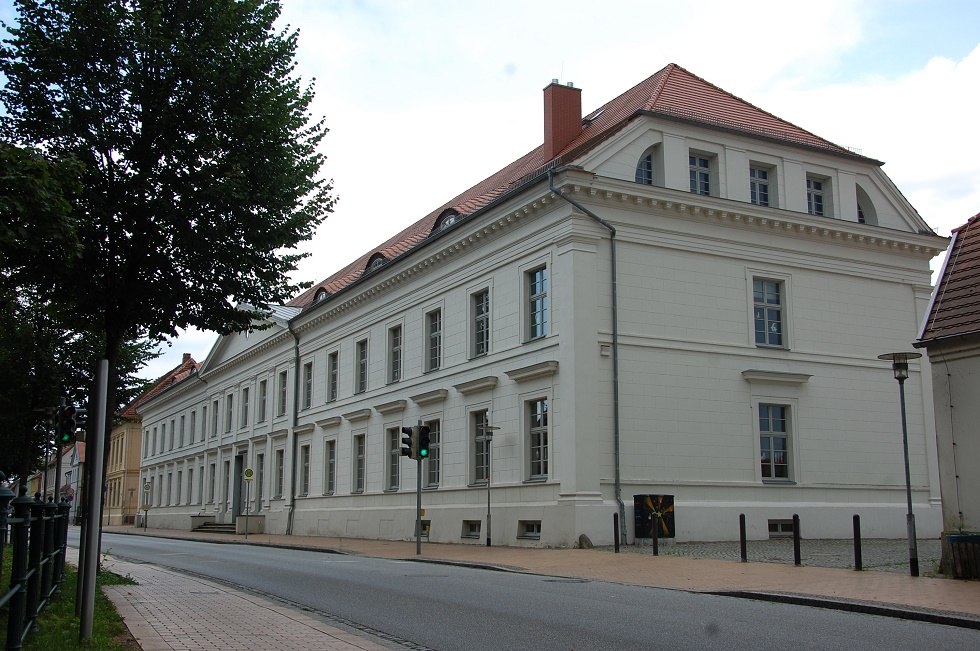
(424, 441)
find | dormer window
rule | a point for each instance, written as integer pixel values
(644, 170)
(448, 219)
(321, 295)
(376, 262)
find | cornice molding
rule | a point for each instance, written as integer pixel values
(475, 386)
(726, 211)
(391, 407)
(333, 421)
(360, 414)
(305, 428)
(778, 377)
(430, 397)
(534, 371)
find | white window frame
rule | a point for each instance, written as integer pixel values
(333, 375)
(537, 301)
(304, 470)
(786, 312)
(538, 466)
(700, 177)
(216, 408)
(263, 400)
(330, 466)
(481, 312)
(433, 339)
(359, 459)
(307, 384)
(396, 341)
(393, 455)
(361, 361)
(480, 452)
(433, 463)
(229, 411)
(259, 479)
(760, 188)
(280, 472)
(792, 449)
(824, 194)
(282, 392)
(243, 416)
(193, 427)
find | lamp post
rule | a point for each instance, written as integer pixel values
(900, 366)
(488, 439)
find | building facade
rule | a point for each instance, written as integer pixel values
(677, 294)
(951, 339)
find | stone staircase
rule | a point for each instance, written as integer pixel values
(216, 527)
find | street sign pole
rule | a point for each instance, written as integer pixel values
(248, 474)
(418, 504)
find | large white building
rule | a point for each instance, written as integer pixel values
(676, 294)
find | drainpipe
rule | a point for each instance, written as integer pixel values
(615, 345)
(292, 430)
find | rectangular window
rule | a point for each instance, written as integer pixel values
(330, 467)
(259, 480)
(180, 485)
(333, 375)
(190, 485)
(394, 354)
(263, 397)
(307, 385)
(170, 485)
(361, 366)
(359, 462)
(204, 422)
(537, 303)
(193, 430)
(814, 197)
(172, 431)
(644, 170)
(767, 298)
(212, 482)
(146, 442)
(229, 411)
(481, 437)
(281, 402)
(394, 446)
(530, 529)
(432, 463)
(700, 175)
(759, 186)
(214, 419)
(773, 441)
(280, 472)
(433, 340)
(244, 416)
(180, 434)
(304, 470)
(537, 436)
(480, 310)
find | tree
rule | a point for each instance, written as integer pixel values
(198, 158)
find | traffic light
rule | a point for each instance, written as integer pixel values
(423, 449)
(410, 442)
(67, 424)
(81, 422)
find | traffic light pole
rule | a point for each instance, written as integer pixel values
(418, 508)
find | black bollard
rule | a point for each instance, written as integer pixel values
(796, 540)
(741, 538)
(616, 532)
(656, 534)
(857, 542)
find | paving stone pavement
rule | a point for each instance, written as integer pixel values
(876, 554)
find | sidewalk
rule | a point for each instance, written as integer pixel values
(166, 610)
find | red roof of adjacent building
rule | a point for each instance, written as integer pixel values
(955, 309)
(185, 369)
(672, 93)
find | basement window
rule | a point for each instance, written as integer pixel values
(529, 529)
(780, 528)
(471, 529)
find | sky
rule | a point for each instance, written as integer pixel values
(424, 98)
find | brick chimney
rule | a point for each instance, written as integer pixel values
(187, 358)
(562, 116)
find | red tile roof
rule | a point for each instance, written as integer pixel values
(672, 93)
(955, 309)
(185, 369)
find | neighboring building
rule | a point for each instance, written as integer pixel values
(45, 480)
(951, 337)
(676, 294)
(123, 489)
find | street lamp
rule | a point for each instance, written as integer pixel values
(488, 439)
(900, 366)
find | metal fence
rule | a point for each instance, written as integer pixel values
(38, 534)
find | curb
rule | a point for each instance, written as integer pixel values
(862, 607)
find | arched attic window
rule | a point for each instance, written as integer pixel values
(376, 262)
(649, 169)
(321, 295)
(866, 213)
(448, 218)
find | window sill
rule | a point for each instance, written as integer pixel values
(536, 480)
(779, 482)
(477, 484)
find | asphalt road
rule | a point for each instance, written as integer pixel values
(433, 606)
